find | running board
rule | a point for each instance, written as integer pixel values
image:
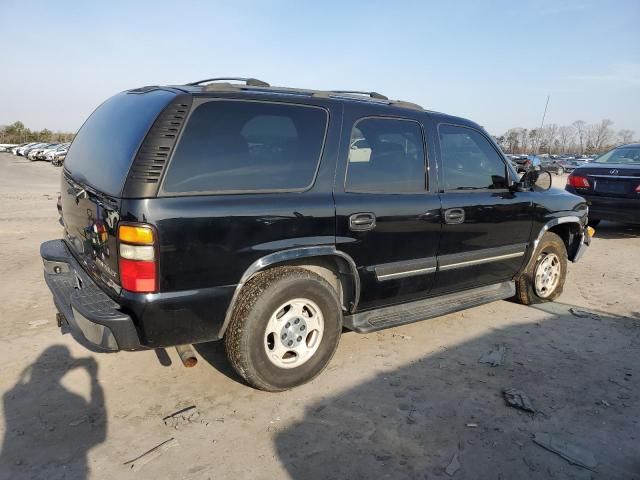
(395, 315)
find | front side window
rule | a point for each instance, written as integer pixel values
(231, 146)
(469, 161)
(386, 156)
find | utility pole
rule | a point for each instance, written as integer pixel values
(542, 124)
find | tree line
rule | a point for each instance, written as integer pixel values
(579, 137)
(18, 133)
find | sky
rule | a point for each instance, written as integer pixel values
(494, 62)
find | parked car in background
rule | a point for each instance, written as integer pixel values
(48, 153)
(21, 150)
(33, 153)
(552, 165)
(611, 185)
(521, 162)
(33, 147)
(58, 157)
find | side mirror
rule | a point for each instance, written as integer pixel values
(539, 181)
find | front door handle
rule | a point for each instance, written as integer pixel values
(361, 222)
(453, 216)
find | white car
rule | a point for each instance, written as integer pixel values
(20, 150)
(34, 152)
(51, 153)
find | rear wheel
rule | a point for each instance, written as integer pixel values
(285, 328)
(543, 279)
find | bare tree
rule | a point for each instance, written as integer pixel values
(511, 140)
(601, 134)
(524, 139)
(548, 137)
(566, 135)
(581, 130)
(625, 136)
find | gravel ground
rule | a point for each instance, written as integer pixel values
(409, 402)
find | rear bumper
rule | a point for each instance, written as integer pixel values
(136, 321)
(625, 210)
(92, 317)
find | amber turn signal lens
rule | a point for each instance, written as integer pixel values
(591, 231)
(139, 235)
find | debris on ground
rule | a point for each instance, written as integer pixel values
(603, 402)
(472, 425)
(494, 357)
(584, 313)
(572, 453)
(518, 399)
(454, 465)
(37, 323)
(140, 461)
(183, 417)
(402, 336)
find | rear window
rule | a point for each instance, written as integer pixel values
(234, 146)
(103, 150)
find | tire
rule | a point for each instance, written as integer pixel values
(593, 222)
(248, 343)
(551, 252)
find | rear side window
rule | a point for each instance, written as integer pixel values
(469, 160)
(386, 156)
(232, 146)
(103, 150)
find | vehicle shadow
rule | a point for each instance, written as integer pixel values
(214, 354)
(616, 231)
(444, 415)
(48, 429)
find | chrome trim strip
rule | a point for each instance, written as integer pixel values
(480, 261)
(406, 273)
(614, 176)
(292, 254)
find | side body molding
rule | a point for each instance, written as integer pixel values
(289, 255)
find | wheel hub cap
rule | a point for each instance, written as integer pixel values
(547, 275)
(293, 333)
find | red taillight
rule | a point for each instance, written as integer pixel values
(578, 181)
(638, 188)
(137, 259)
(138, 276)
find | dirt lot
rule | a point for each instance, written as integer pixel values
(402, 403)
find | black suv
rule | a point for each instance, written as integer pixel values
(273, 217)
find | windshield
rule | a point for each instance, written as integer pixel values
(629, 155)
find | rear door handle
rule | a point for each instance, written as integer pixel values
(361, 222)
(454, 216)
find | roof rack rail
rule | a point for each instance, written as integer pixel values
(252, 82)
(376, 95)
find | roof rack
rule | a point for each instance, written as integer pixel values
(252, 82)
(376, 95)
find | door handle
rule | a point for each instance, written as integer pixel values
(453, 216)
(361, 222)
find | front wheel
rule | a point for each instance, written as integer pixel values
(543, 279)
(284, 329)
